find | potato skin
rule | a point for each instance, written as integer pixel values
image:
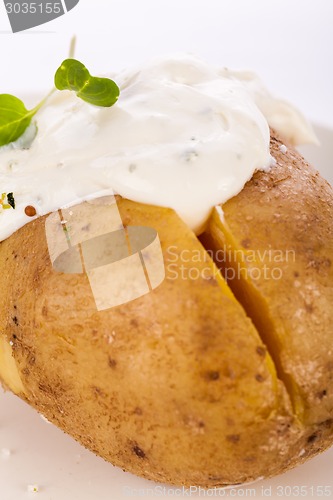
(290, 210)
(176, 386)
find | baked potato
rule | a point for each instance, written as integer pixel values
(203, 381)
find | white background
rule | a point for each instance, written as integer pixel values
(288, 43)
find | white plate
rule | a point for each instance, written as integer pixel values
(40, 454)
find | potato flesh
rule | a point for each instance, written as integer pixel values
(9, 372)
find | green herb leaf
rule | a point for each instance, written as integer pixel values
(14, 118)
(73, 75)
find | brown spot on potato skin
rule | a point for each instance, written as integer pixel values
(138, 451)
(134, 323)
(319, 264)
(98, 391)
(261, 351)
(259, 378)
(138, 411)
(211, 375)
(15, 320)
(112, 362)
(44, 388)
(322, 394)
(246, 243)
(312, 438)
(233, 438)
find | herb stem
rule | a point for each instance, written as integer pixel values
(72, 48)
(37, 108)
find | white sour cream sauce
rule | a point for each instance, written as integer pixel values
(183, 134)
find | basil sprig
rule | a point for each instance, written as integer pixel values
(14, 118)
(71, 75)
